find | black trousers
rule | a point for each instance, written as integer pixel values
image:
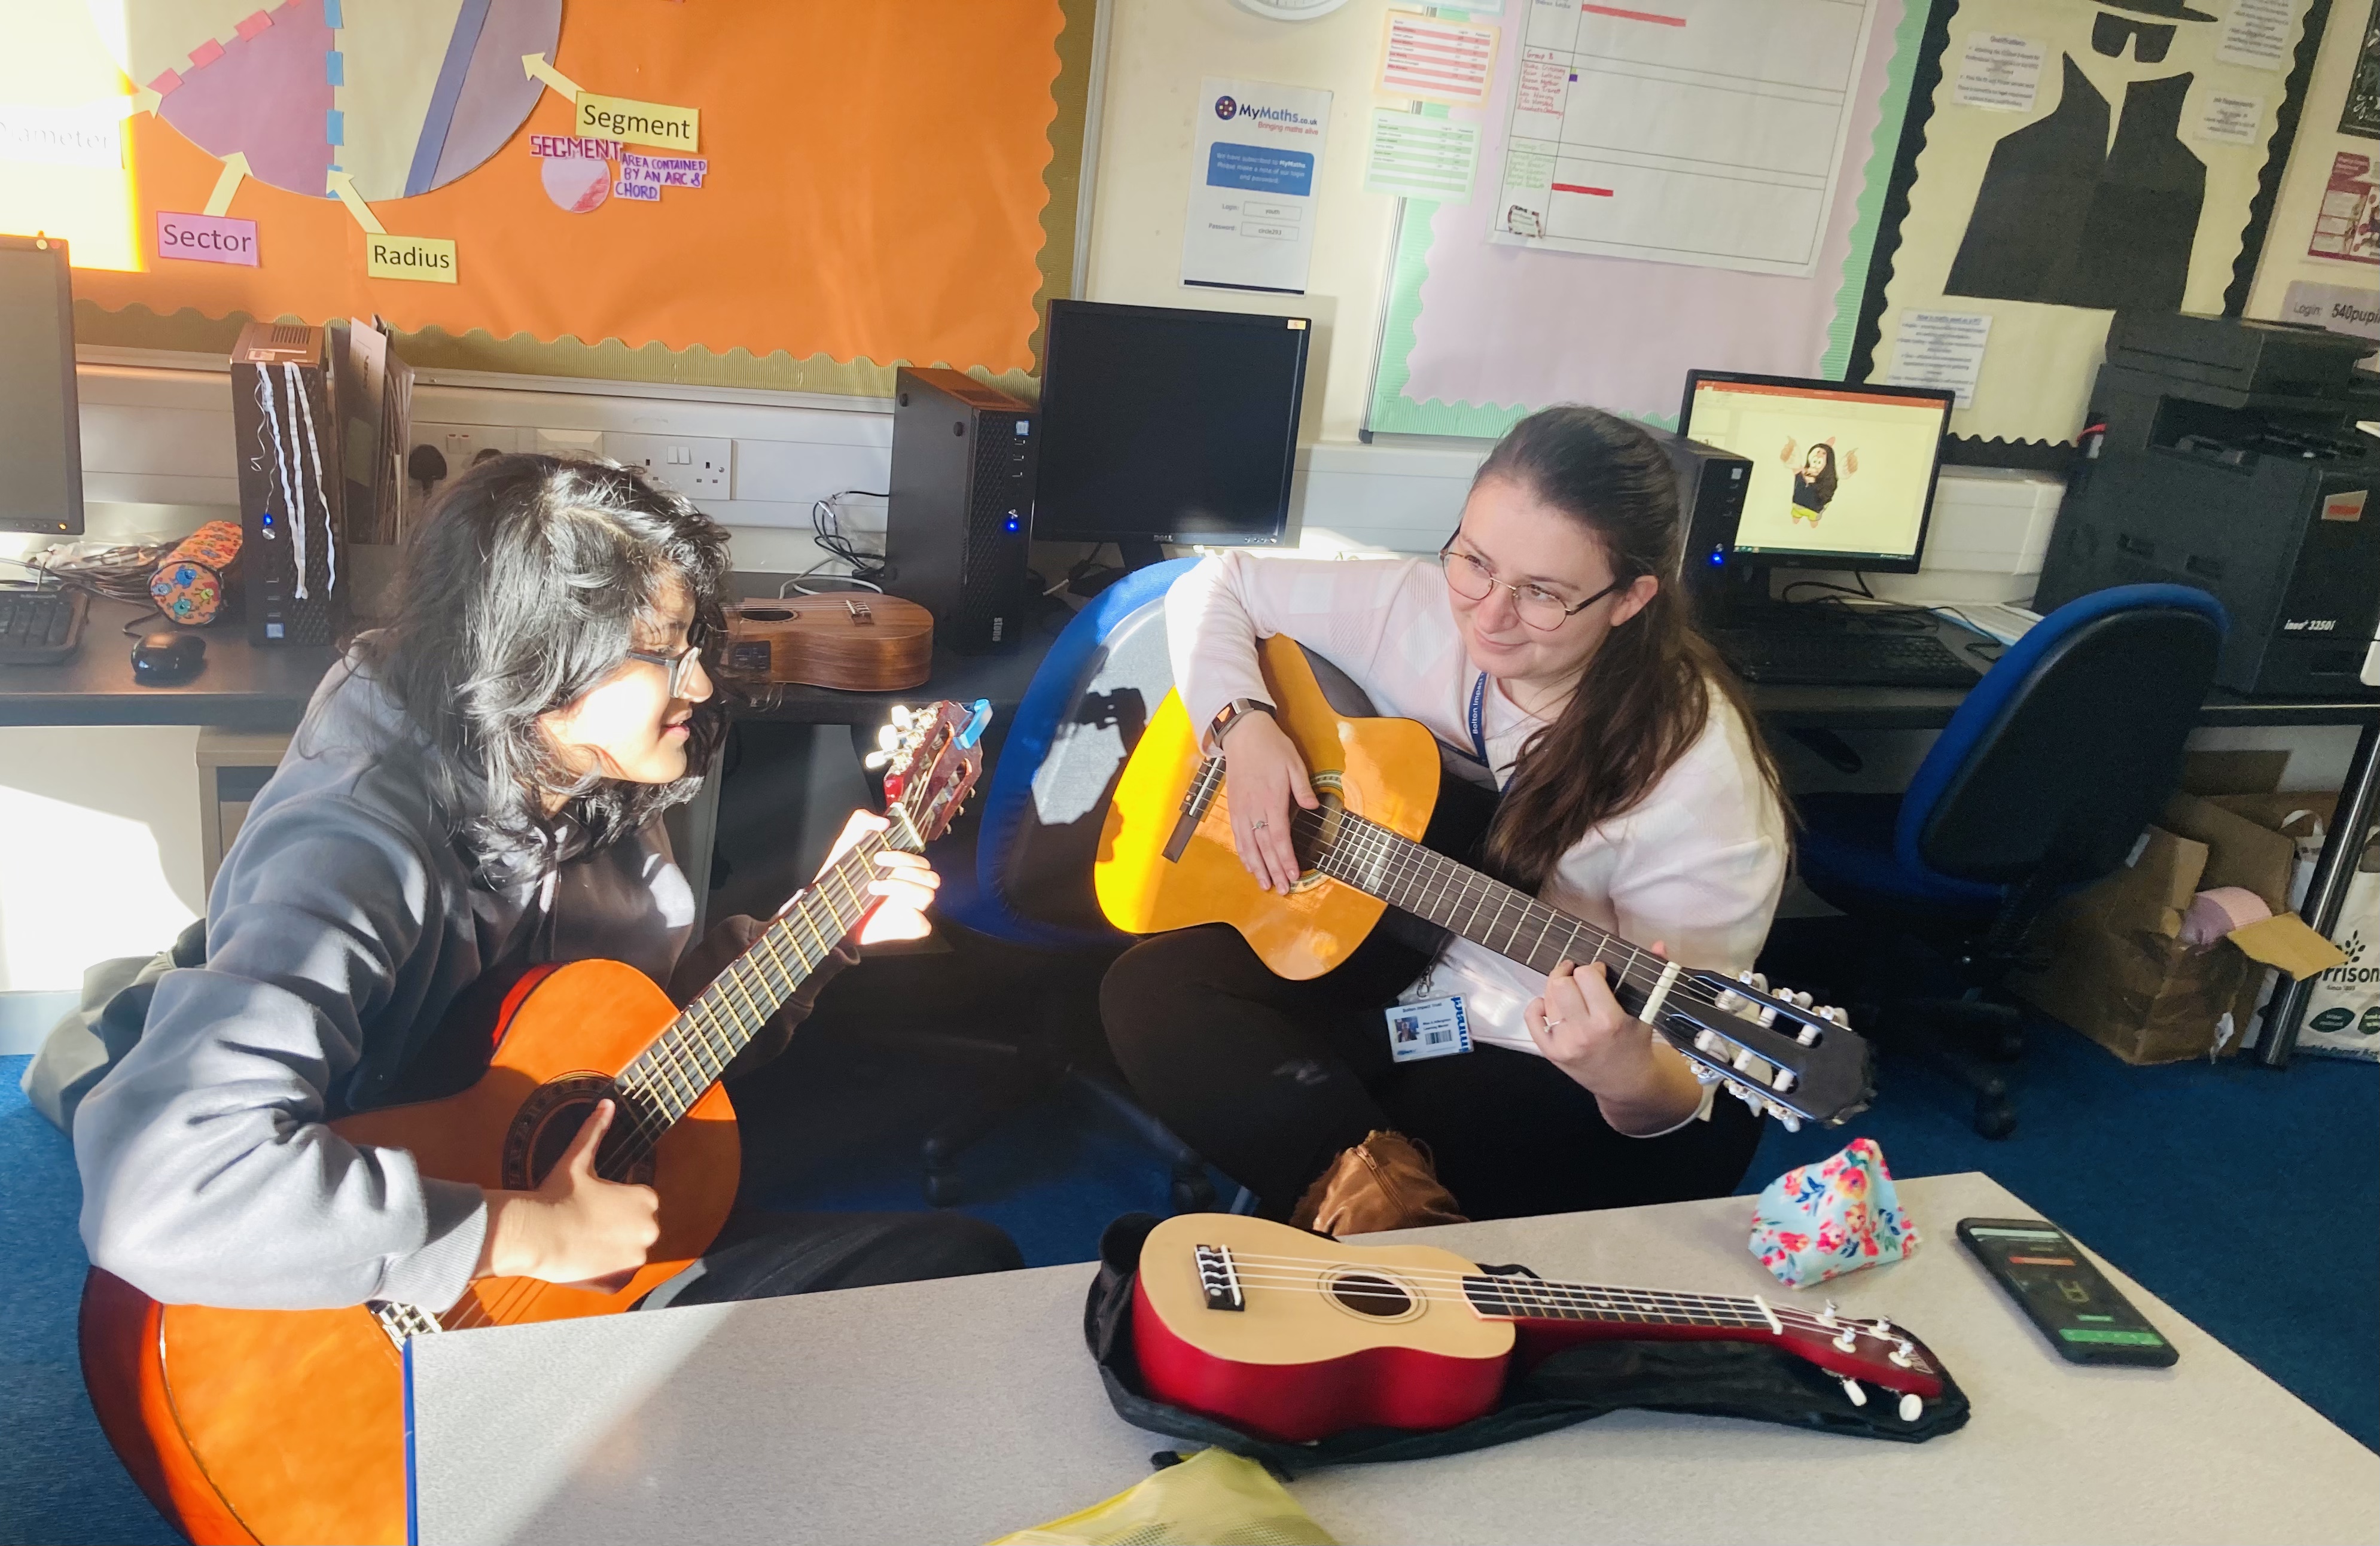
(761, 1255)
(1270, 1079)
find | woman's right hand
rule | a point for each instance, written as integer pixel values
(575, 1228)
(1262, 773)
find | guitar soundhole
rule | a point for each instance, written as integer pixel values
(1371, 1293)
(549, 1119)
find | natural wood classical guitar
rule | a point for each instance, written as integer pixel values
(1293, 1336)
(248, 1426)
(1166, 861)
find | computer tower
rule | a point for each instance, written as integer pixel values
(292, 484)
(961, 515)
(1711, 485)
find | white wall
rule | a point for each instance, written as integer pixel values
(1157, 52)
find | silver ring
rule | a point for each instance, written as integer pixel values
(1552, 1022)
(1259, 826)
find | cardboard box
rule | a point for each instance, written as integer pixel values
(2117, 969)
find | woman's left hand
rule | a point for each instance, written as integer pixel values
(1584, 1032)
(903, 881)
(1642, 1085)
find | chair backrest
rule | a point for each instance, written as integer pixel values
(2070, 744)
(1066, 747)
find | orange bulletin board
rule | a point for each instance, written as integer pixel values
(877, 187)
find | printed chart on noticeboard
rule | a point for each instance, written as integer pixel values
(1663, 185)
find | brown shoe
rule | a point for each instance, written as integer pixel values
(1385, 1183)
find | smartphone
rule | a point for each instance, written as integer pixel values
(2075, 1307)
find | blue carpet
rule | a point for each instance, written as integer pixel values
(58, 1480)
(2248, 1201)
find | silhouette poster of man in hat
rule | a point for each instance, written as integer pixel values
(2066, 219)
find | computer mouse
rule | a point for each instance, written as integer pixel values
(162, 659)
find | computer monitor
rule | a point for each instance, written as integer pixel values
(1161, 424)
(41, 432)
(1843, 476)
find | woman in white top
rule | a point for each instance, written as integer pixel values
(1551, 655)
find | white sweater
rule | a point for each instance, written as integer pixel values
(1696, 864)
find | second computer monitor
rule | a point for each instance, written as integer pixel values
(1161, 424)
(1843, 476)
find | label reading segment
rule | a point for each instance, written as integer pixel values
(426, 257)
(639, 123)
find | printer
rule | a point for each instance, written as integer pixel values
(2226, 454)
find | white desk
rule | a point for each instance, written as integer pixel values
(956, 1411)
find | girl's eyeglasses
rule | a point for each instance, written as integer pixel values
(1538, 607)
(679, 662)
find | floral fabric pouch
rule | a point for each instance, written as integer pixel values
(1821, 1221)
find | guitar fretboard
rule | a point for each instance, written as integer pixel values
(1485, 911)
(1520, 1297)
(685, 1059)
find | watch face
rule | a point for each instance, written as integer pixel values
(1291, 10)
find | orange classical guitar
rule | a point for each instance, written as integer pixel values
(1166, 861)
(261, 1426)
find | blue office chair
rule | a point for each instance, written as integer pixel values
(1023, 878)
(2042, 782)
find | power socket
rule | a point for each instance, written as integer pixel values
(460, 446)
(697, 467)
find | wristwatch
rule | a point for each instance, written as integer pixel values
(1230, 715)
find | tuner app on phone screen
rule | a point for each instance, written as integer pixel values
(1845, 472)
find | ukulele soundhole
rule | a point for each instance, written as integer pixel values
(1372, 1295)
(551, 1117)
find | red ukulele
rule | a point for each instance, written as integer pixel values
(1290, 1337)
(254, 1425)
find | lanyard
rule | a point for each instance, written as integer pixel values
(1479, 728)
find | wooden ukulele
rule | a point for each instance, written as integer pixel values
(857, 641)
(248, 1426)
(1166, 861)
(1291, 1337)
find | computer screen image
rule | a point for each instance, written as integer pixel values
(1166, 425)
(41, 439)
(1842, 476)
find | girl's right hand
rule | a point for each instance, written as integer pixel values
(1262, 773)
(575, 1228)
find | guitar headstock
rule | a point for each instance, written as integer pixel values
(1773, 1049)
(931, 757)
(1861, 1353)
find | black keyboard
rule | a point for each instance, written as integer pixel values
(40, 627)
(1840, 658)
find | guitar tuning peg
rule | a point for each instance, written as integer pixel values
(1857, 1391)
(1849, 1339)
(900, 715)
(1827, 1316)
(1789, 1121)
(1902, 1356)
(875, 760)
(1807, 1035)
(1800, 1001)
(888, 738)
(1911, 1407)
(1784, 1081)
(1758, 980)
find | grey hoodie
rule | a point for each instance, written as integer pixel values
(343, 924)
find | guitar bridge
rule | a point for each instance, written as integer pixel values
(403, 1322)
(1195, 805)
(1219, 1279)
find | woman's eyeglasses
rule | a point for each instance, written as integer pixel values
(1538, 607)
(679, 662)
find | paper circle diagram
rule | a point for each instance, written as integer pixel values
(402, 95)
(576, 183)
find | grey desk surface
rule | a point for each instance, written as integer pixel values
(957, 1411)
(243, 687)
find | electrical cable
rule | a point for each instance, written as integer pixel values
(118, 574)
(322, 489)
(826, 525)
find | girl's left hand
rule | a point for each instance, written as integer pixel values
(904, 881)
(1583, 1031)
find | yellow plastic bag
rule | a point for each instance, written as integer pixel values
(1214, 1498)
